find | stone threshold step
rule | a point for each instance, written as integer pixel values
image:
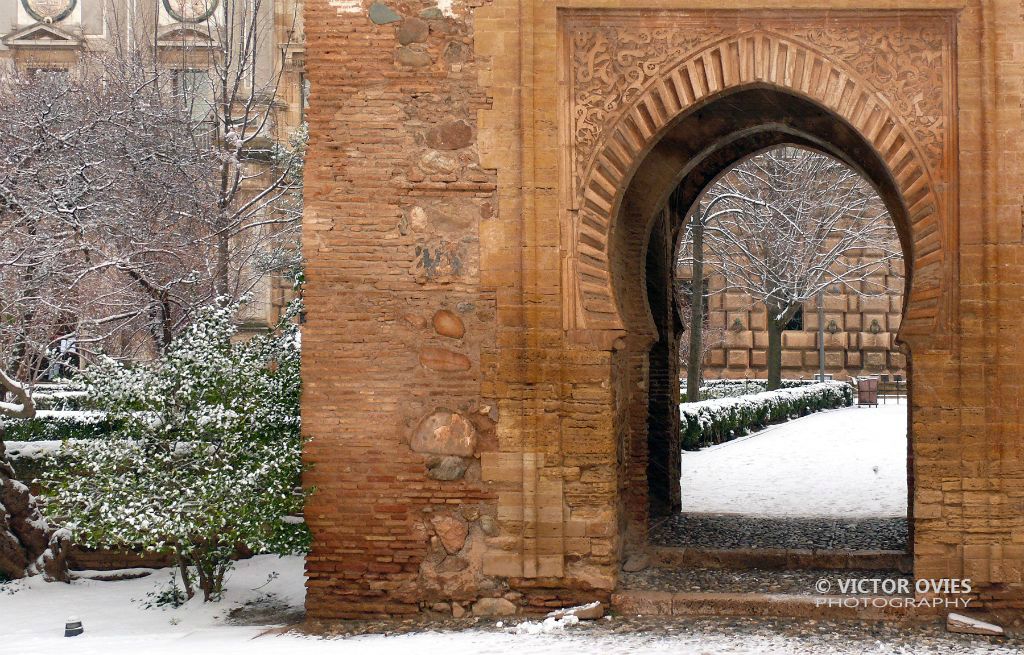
(781, 558)
(795, 606)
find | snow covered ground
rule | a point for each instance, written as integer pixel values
(849, 462)
(116, 622)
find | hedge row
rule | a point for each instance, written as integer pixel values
(715, 421)
(50, 425)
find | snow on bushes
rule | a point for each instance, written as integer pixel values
(714, 421)
(732, 388)
(58, 425)
(204, 457)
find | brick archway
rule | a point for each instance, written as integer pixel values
(475, 352)
(606, 155)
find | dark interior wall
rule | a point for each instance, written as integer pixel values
(663, 440)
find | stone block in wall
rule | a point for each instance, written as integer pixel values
(743, 319)
(837, 341)
(870, 341)
(853, 359)
(798, 339)
(716, 357)
(834, 360)
(739, 358)
(834, 303)
(853, 303)
(716, 319)
(792, 359)
(869, 321)
(854, 321)
(761, 339)
(759, 319)
(897, 360)
(810, 359)
(743, 339)
(758, 359)
(895, 320)
(874, 360)
(874, 304)
(736, 301)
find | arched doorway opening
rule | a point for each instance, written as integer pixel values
(695, 149)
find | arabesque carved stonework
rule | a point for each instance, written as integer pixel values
(906, 62)
(612, 64)
(611, 67)
(889, 74)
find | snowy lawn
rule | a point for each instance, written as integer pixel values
(849, 462)
(116, 622)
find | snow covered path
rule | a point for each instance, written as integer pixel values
(849, 462)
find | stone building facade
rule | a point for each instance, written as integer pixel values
(486, 332)
(52, 35)
(860, 333)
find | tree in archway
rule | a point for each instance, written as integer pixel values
(788, 224)
(28, 545)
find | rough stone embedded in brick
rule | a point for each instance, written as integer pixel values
(381, 14)
(444, 433)
(452, 532)
(412, 58)
(446, 468)
(971, 626)
(451, 135)
(440, 359)
(413, 30)
(448, 324)
(489, 525)
(493, 607)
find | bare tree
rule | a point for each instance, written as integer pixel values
(709, 338)
(789, 223)
(152, 180)
(258, 180)
(27, 543)
(102, 200)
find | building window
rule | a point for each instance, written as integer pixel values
(194, 90)
(797, 322)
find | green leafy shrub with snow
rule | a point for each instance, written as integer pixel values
(58, 425)
(714, 421)
(204, 458)
(728, 388)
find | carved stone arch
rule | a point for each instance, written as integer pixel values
(608, 155)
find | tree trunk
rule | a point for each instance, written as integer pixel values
(774, 354)
(222, 269)
(27, 544)
(694, 356)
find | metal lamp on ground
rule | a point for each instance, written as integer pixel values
(73, 627)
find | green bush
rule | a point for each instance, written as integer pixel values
(207, 459)
(714, 421)
(59, 425)
(711, 389)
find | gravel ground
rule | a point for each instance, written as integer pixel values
(745, 531)
(802, 582)
(706, 636)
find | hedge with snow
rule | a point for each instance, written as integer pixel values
(715, 421)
